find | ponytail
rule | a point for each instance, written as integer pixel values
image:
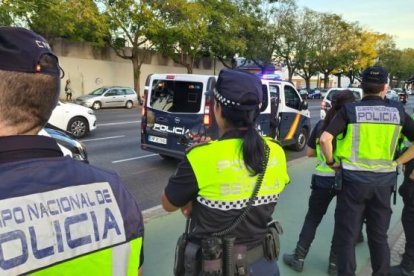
(253, 144)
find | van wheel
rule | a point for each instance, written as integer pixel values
(78, 126)
(96, 105)
(129, 104)
(301, 140)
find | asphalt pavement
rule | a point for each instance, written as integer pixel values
(162, 230)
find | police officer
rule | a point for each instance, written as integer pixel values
(215, 180)
(58, 216)
(323, 191)
(406, 190)
(371, 129)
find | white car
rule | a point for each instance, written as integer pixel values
(111, 96)
(392, 95)
(326, 102)
(76, 119)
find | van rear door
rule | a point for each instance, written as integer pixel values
(175, 104)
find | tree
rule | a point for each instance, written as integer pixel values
(389, 56)
(307, 41)
(363, 52)
(76, 20)
(182, 29)
(332, 52)
(285, 35)
(226, 30)
(130, 24)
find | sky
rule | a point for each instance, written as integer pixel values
(393, 17)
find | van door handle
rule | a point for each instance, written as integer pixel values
(161, 119)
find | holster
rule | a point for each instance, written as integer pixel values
(271, 243)
(179, 255)
(192, 259)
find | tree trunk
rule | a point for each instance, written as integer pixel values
(307, 81)
(325, 80)
(189, 68)
(136, 64)
(339, 79)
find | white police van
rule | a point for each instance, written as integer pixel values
(177, 104)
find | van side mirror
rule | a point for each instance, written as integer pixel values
(304, 105)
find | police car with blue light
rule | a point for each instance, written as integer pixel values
(177, 106)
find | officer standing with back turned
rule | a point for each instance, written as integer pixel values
(371, 129)
(59, 216)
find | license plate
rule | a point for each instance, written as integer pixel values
(158, 140)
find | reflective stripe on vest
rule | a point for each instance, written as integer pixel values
(119, 260)
(369, 145)
(225, 183)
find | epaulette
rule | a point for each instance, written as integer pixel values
(196, 145)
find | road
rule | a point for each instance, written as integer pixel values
(115, 144)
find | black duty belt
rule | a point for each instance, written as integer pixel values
(254, 254)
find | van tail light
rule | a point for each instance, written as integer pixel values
(207, 114)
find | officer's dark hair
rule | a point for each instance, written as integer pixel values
(28, 99)
(253, 145)
(372, 88)
(339, 99)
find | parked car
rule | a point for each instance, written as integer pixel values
(67, 142)
(392, 95)
(304, 94)
(324, 92)
(326, 103)
(109, 96)
(76, 119)
(314, 94)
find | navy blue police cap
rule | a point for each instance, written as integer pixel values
(21, 51)
(238, 89)
(375, 74)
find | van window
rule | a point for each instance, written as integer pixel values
(176, 96)
(291, 97)
(265, 98)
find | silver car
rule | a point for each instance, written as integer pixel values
(110, 96)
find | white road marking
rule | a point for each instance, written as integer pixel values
(119, 123)
(134, 158)
(103, 138)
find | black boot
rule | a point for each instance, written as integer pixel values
(332, 268)
(406, 268)
(296, 259)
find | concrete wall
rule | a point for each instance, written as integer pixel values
(89, 68)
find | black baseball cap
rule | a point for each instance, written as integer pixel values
(238, 89)
(21, 51)
(375, 74)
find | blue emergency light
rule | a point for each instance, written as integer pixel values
(269, 76)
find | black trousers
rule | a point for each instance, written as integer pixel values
(355, 201)
(319, 201)
(407, 193)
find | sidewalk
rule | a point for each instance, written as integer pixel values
(162, 230)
